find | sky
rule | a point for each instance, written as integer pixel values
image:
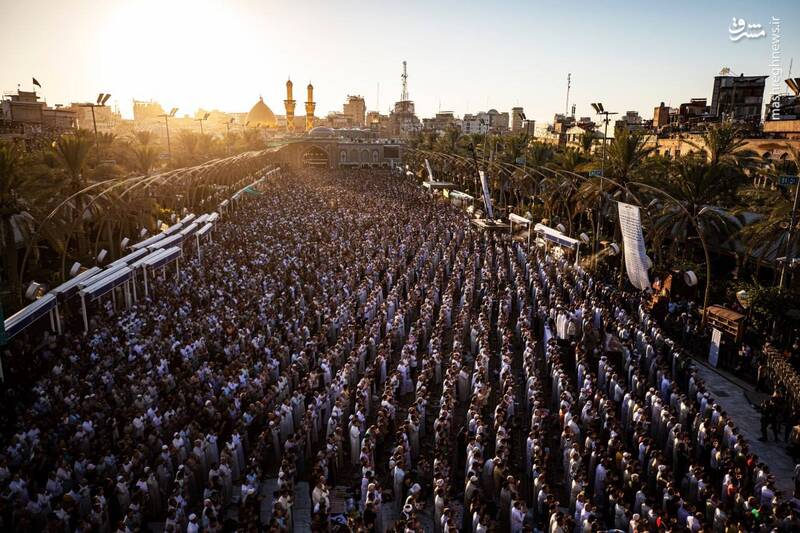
(463, 56)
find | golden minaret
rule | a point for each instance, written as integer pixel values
(289, 104)
(310, 105)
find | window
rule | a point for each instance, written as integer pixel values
(343, 156)
(374, 156)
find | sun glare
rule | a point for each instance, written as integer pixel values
(179, 51)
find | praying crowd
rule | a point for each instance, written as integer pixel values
(348, 335)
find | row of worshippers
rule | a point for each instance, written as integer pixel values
(212, 357)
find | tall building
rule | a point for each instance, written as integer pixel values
(289, 105)
(661, 116)
(310, 105)
(104, 117)
(403, 120)
(356, 109)
(443, 121)
(782, 114)
(485, 121)
(378, 123)
(143, 111)
(630, 121)
(23, 113)
(516, 119)
(738, 98)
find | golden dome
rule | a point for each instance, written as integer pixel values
(261, 115)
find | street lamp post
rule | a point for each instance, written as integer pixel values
(102, 98)
(200, 120)
(167, 116)
(598, 107)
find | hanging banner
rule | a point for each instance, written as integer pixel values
(636, 260)
(487, 200)
(713, 350)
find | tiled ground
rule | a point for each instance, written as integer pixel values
(731, 394)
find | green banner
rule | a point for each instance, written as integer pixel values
(250, 190)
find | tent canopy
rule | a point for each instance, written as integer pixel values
(28, 315)
(107, 283)
(131, 257)
(516, 219)
(163, 257)
(70, 288)
(436, 185)
(147, 242)
(553, 235)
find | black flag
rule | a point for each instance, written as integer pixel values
(36, 82)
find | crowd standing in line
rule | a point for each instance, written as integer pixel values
(348, 330)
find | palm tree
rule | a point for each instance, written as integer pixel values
(769, 235)
(587, 140)
(625, 155)
(570, 159)
(144, 159)
(694, 185)
(188, 142)
(73, 153)
(539, 154)
(723, 144)
(144, 137)
(24, 193)
(448, 142)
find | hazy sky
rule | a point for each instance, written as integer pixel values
(462, 56)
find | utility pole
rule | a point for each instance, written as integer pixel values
(569, 83)
(167, 116)
(102, 98)
(598, 107)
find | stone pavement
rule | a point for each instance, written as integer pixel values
(733, 394)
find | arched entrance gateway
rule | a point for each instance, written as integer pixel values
(315, 157)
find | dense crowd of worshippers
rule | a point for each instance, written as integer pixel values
(348, 333)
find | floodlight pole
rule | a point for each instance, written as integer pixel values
(169, 146)
(96, 138)
(606, 120)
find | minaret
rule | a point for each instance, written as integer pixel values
(310, 105)
(289, 105)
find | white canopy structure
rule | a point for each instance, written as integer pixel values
(20, 320)
(106, 284)
(522, 221)
(154, 252)
(556, 237)
(131, 257)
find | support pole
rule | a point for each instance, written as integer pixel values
(85, 318)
